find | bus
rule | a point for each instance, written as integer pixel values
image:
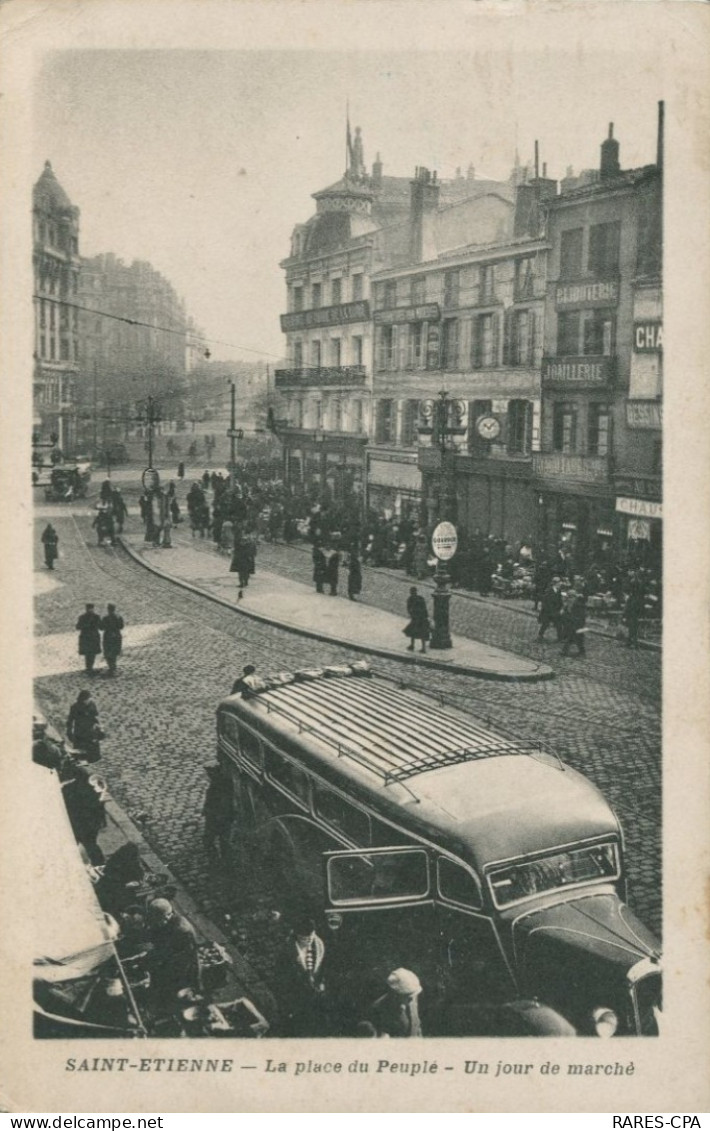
(426, 839)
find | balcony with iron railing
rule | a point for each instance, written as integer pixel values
(318, 376)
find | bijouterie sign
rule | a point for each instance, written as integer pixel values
(581, 295)
(326, 316)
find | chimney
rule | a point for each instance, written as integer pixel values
(424, 201)
(659, 143)
(610, 166)
(377, 172)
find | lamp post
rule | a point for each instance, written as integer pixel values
(444, 539)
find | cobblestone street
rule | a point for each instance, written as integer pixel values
(600, 714)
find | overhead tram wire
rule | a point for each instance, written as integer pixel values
(151, 326)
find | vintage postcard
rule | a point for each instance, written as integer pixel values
(355, 540)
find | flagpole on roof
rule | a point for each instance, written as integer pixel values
(347, 135)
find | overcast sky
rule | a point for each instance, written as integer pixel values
(201, 162)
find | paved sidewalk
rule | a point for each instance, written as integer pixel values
(298, 608)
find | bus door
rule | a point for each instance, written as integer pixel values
(381, 916)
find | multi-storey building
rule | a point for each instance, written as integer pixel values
(462, 317)
(323, 396)
(134, 339)
(56, 288)
(598, 475)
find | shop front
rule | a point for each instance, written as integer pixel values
(640, 522)
(329, 467)
(394, 484)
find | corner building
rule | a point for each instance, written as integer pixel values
(598, 475)
(56, 264)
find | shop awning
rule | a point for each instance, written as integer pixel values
(72, 936)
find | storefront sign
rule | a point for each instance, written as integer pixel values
(576, 370)
(444, 541)
(640, 508)
(644, 414)
(560, 465)
(427, 312)
(326, 316)
(648, 337)
(403, 476)
(579, 295)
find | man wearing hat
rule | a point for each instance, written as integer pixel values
(174, 960)
(88, 626)
(396, 1013)
(218, 811)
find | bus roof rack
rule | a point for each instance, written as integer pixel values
(372, 723)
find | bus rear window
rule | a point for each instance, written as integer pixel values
(378, 877)
(550, 873)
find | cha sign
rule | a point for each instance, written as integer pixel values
(444, 541)
(648, 337)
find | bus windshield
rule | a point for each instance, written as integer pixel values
(549, 873)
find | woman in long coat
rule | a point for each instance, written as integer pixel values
(319, 568)
(83, 729)
(112, 625)
(50, 541)
(418, 627)
(354, 577)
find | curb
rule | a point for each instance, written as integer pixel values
(467, 595)
(459, 669)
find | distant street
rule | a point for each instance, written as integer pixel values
(600, 714)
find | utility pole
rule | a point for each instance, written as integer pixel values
(96, 411)
(150, 416)
(232, 431)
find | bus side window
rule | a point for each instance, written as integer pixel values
(250, 748)
(229, 729)
(384, 835)
(457, 884)
(292, 779)
(354, 823)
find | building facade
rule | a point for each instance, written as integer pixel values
(598, 474)
(466, 322)
(134, 343)
(323, 399)
(57, 268)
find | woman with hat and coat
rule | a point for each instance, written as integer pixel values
(418, 627)
(83, 730)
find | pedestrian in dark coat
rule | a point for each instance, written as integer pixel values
(120, 510)
(112, 626)
(88, 626)
(241, 563)
(574, 617)
(331, 572)
(181, 470)
(300, 984)
(50, 541)
(418, 627)
(218, 811)
(633, 611)
(240, 685)
(319, 568)
(84, 799)
(83, 729)
(354, 577)
(174, 960)
(123, 867)
(550, 609)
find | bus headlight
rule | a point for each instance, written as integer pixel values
(605, 1022)
(334, 920)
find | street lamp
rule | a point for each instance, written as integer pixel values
(444, 538)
